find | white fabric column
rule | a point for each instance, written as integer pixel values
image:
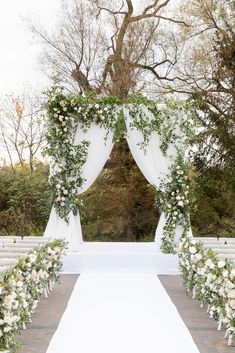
(152, 163)
(99, 150)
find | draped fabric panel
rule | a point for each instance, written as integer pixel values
(100, 147)
(150, 160)
(152, 163)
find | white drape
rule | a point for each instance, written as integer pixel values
(151, 161)
(99, 150)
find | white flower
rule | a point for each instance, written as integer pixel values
(65, 129)
(210, 264)
(231, 293)
(229, 285)
(58, 186)
(65, 192)
(97, 106)
(64, 109)
(192, 250)
(32, 257)
(19, 284)
(8, 300)
(198, 256)
(169, 205)
(180, 203)
(233, 272)
(225, 273)
(7, 329)
(221, 264)
(178, 198)
(232, 304)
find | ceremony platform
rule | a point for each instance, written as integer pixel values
(104, 257)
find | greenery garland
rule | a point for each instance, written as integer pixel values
(67, 112)
(173, 200)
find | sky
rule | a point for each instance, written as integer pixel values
(19, 50)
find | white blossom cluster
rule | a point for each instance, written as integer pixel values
(174, 202)
(212, 281)
(22, 287)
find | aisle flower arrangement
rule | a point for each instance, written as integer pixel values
(211, 280)
(22, 286)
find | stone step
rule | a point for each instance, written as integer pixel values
(120, 257)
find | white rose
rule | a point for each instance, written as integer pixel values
(19, 284)
(192, 250)
(180, 203)
(7, 329)
(231, 293)
(221, 264)
(66, 192)
(232, 304)
(32, 257)
(229, 285)
(198, 256)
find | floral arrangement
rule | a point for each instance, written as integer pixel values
(173, 120)
(174, 201)
(22, 286)
(211, 280)
(65, 114)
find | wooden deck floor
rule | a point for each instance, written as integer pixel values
(38, 335)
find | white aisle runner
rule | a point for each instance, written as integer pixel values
(121, 313)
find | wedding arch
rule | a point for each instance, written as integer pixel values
(80, 137)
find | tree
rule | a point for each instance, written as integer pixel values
(114, 59)
(25, 200)
(112, 213)
(208, 69)
(21, 128)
